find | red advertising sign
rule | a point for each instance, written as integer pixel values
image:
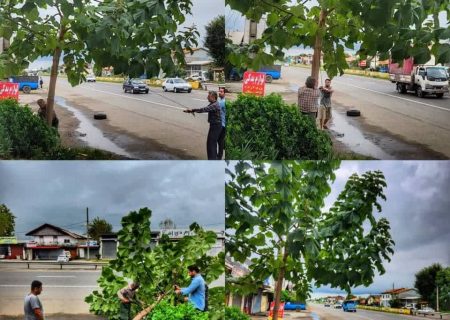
(254, 83)
(280, 310)
(363, 63)
(9, 90)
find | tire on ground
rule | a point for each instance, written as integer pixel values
(353, 113)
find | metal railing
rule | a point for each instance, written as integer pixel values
(55, 263)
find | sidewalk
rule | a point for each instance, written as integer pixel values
(303, 315)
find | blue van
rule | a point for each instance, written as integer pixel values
(26, 83)
(349, 306)
(294, 306)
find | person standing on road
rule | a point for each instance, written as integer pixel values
(221, 143)
(42, 113)
(308, 98)
(196, 289)
(32, 305)
(215, 124)
(41, 83)
(126, 296)
(325, 104)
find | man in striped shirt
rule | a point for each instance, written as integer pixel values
(215, 124)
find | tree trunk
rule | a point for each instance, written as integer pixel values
(315, 70)
(149, 309)
(279, 286)
(54, 77)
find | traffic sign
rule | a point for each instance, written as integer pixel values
(254, 83)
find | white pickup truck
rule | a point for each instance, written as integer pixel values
(421, 79)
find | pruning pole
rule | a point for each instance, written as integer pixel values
(149, 309)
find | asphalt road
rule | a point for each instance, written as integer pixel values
(405, 118)
(140, 126)
(328, 313)
(63, 290)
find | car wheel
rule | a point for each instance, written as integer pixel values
(189, 91)
(269, 78)
(124, 90)
(439, 95)
(164, 89)
(175, 90)
(146, 91)
(419, 92)
(26, 89)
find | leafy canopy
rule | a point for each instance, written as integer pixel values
(215, 40)
(425, 282)
(158, 267)
(97, 227)
(275, 217)
(7, 221)
(402, 28)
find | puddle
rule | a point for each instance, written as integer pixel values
(90, 134)
(314, 316)
(353, 138)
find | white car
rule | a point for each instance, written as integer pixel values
(426, 310)
(62, 258)
(176, 85)
(90, 78)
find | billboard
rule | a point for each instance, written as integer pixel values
(9, 90)
(8, 240)
(254, 83)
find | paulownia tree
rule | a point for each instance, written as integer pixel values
(135, 37)
(7, 221)
(158, 267)
(401, 28)
(275, 216)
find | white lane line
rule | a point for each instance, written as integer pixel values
(45, 286)
(56, 277)
(390, 95)
(137, 99)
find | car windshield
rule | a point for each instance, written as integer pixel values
(179, 81)
(137, 81)
(437, 73)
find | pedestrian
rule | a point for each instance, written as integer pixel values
(42, 113)
(32, 305)
(196, 289)
(325, 104)
(215, 124)
(41, 82)
(221, 143)
(127, 296)
(308, 98)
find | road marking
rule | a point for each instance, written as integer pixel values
(123, 96)
(390, 95)
(45, 286)
(56, 276)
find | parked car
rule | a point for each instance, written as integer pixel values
(90, 78)
(349, 306)
(338, 306)
(294, 306)
(135, 86)
(176, 85)
(62, 258)
(326, 305)
(426, 310)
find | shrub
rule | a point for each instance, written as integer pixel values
(23, 134)
(184, 311)
(266, 128)
(235, 314)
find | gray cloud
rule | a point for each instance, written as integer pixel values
(59, 192)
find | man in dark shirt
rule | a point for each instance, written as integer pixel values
(42, 113)
(215, 124)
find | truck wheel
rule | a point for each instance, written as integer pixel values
(401, 88)
(419, 92)
(26, 89)
(439, 95)
(269, 78)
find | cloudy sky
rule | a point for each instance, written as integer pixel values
(203, 11)
(418, 209)
(59, 192)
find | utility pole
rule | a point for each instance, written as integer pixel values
(87, 231)
(437, 298)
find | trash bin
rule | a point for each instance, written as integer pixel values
(195, 84)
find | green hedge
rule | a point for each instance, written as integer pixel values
(23, 134)
(266, 128)
(235, 314)
(185, 311)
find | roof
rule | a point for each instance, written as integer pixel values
(61, 230)
(396, 291)
(202, 63)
